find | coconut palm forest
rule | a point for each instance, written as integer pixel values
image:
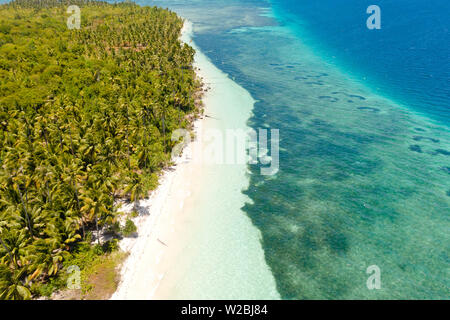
(86, 116)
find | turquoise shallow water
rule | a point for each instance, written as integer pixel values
(363, 180)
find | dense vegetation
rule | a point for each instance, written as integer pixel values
(85, 118)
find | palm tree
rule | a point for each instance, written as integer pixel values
(5, 224)
(135, 189)
(11, 286)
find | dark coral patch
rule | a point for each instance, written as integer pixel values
(320, 75)
(420, 129)
(448, 193)
(356, 96)
(415, 148)
(420, 138)
(349, 95)
(446, 169)
(332, 99)
(369, 108)
(442, 151)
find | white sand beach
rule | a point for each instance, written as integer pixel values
(196, 242)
